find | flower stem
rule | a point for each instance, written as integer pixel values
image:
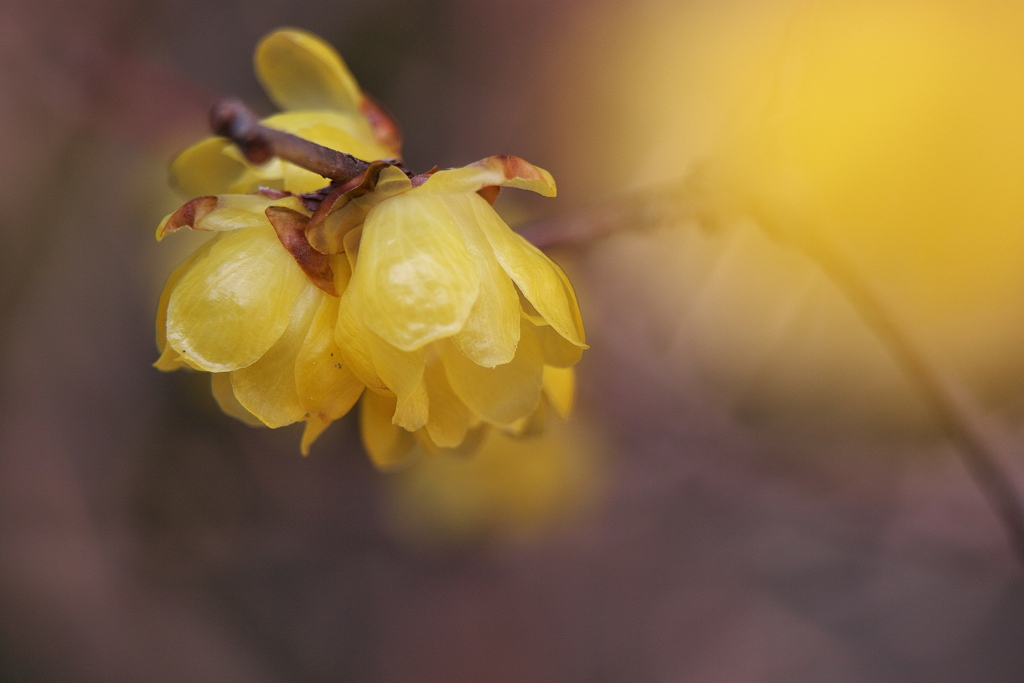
(233, 120)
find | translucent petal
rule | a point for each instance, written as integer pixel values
(223, 213)
(314, 428)
(491, 332)
(531, 425)
(503, 394)
(349, 211)
(466, 448)
(401, 371)
(574, 304)
(233, 305)
(169, 358)
(349, 335)
(387, 444)
(349, 133)
(449, 417)
(204, 169)
(220, 383)
(267, 388)
(327, 389)
(225, 218)
(412, 411)
(496, 171)
(559, 389)
(557, 351)
(300, 71)
(416, 278)
(529, 312)
(540, 280)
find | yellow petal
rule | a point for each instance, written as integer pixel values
(233, 305)
(349, 333)
(350, 210)
(449, 417)
(204, 169)
(574, 304)
(401, 371)
(223, 213)
(300, 71)
(496, 171)
(559, 389)
(268, 387)
(387, 444)
(556, 350)
(314, 428)
(531, 425)
(327, 389)
(416, 278)
(412, 411)
(169, 358)
(345, 132)
(466, 448)
(540, 280)
(503, 394)
(220, 383)
(236, 211)
(491, 332)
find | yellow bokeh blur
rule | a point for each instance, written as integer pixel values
(509, 489)
(891, 128)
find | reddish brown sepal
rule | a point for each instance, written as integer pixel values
(423, 177)
(514, 167)
(291, 230)
(384, 127)
(490, 193)
(188, 215)
(357, 187)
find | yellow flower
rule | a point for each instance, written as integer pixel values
(449, 316)
(322, 102)
(257, 316)
(412, 287)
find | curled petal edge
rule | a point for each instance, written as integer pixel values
(226, 212)
(498, 171)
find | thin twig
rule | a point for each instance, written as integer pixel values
(981, 446)
(259, 143)
(651, 207)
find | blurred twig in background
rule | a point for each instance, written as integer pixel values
(695, 198)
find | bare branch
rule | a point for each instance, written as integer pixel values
(259, 143)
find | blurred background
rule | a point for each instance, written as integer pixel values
(749, 489)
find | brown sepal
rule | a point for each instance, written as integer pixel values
(384, 127)
(512, 167)
(188, 215)
(290, 226)
(423, 177)
(357, 187)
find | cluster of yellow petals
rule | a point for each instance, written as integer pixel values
(410, 293)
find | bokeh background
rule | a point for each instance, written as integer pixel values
(749, 490)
